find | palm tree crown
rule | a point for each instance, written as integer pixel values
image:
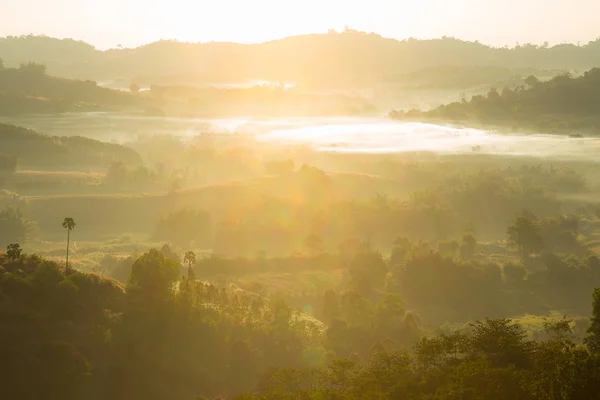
(69, 223)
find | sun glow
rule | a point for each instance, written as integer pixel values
(136, 22)
(264, 20)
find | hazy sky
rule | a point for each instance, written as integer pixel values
(107, 23)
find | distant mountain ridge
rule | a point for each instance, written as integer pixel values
(336, 58)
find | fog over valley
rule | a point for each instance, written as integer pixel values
(291, 212)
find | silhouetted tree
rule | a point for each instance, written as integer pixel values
(69, 225)
(467, 246)
(531, 81)
(524, 235)
(190, 259)
(13, 251)
(593, 338)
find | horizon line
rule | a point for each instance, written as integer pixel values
(117, 47)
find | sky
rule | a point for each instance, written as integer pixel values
(131, 23)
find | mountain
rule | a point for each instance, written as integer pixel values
(335, 58)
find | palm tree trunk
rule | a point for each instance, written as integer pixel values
(68, 239)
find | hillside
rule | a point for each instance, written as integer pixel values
(334, 58)
(33, 149)
(563, 104)
(111, 213)
(29, 89)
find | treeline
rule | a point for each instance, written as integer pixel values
(544, 268)
(322, 59)
(450, 77)
(71, 335)
(561, 104)
(276, 214)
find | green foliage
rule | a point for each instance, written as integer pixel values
(467, 246)
(561, 104)
(68, 224)
(493, 361)
(593, 338)
(525, 236)
(100, 340)
(190, 259)
(52, 327)
(154, 274)
(13, 251)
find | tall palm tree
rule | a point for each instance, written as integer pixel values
(69, 224)
(190, 259)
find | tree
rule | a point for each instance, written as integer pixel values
(134, 88)
(502, 342)
(13, 251)
(154, 274)
(467, 246)
(33, 69)
(531, 81)
(69, 225)
(190, 259)
(524, 235)
(593, 338)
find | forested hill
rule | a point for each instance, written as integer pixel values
(337, 57)
(33, 149)
(29, 89)
(561, 104)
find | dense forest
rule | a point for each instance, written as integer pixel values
(165, 334)
(561, 104)
(332, 59)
